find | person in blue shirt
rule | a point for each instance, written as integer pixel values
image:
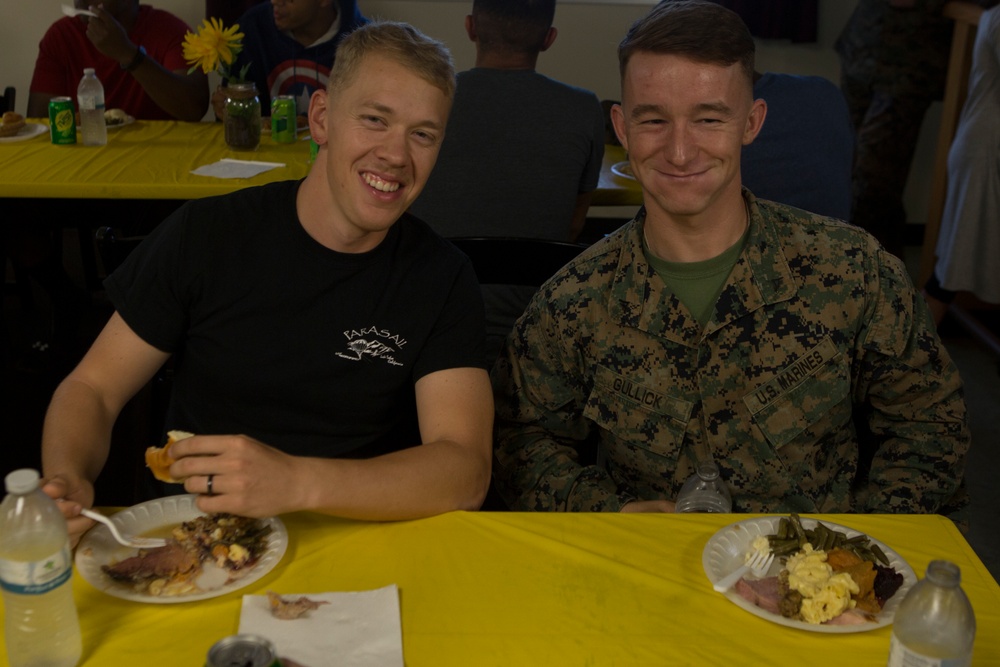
(289, 46)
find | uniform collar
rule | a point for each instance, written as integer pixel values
(639, 299)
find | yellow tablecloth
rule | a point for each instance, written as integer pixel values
(537, 589)
(144, 160)
(612, 189)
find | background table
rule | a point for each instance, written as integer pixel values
(144, 160)
(510, 588)
(612, 189)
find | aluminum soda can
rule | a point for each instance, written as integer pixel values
(283, 121)
(242, 651)
(62, 121)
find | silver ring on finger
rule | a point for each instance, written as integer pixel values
(211, 480)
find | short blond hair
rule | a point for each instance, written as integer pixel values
(427, 57)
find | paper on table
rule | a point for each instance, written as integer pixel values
(355, 629)
(229, 168)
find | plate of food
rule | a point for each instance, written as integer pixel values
(623, 169)
(206, 555)
(116, 118)
(859, 591)
(13, 127)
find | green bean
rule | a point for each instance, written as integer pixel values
(877, 550)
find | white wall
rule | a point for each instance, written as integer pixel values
(583, 54)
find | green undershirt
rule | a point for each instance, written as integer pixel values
(697, 284)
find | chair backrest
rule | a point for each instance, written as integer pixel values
(113, 247)
(516, 261)
(7, 99)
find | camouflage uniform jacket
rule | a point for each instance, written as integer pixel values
(608, 389)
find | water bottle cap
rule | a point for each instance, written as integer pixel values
(22, 481)
(944, 573)
(707, 470)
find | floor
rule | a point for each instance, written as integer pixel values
(30, 372)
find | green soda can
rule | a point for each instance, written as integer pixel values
(242, 650)
(62, 122)
(283, 127)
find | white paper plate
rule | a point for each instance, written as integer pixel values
(727, 549)
(27, 132)
(98, 548)
(623, 169)
(128, 121)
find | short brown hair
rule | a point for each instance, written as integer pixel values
(428, 58)
(697, 29)
(513, 26)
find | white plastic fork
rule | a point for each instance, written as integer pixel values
(758, 565)
(73, 11)
(127, 540)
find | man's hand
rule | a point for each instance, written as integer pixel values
(71, 496)
(648, 506)
(109, 36)
(249, 478)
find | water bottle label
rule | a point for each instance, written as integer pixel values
(87, 102)
(902, 656)
(36, 577)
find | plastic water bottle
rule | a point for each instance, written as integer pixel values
(90, 98)
(705, 491)
(934, 625)
(42, 628)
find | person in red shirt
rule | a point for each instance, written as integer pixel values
(136, 52)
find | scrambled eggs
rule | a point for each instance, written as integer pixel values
(825, 595)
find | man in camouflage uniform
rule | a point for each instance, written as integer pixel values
(719, 326)
(893, 61)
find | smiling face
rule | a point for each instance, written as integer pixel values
(684, 124)
(379, 136)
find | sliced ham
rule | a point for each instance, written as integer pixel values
(852, 617)
(762, 592)
(162, 562)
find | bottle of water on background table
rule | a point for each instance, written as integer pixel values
(90, 99)
(705, 491)
(41, 624)
(934, 625)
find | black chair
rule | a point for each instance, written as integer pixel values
(7, 99)
(516, 261)
(20, 284)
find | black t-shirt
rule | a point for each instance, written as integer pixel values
(277, 337)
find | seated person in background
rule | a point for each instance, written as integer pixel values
(135, 51)
(327, 346)
(968, 247)
(228, 11)
(802, 155)
(523, 151)
(290, 47)
(719, 326)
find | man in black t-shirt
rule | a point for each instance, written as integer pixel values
(308, 320)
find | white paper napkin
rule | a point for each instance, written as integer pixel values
(229, 168)
(357, 629)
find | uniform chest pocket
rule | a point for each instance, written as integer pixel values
(811, 393)
(637, 411)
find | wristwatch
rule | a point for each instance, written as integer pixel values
(140, 55)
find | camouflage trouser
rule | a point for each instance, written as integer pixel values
(887, 127)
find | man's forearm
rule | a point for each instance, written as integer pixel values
(76, 437)
(183, 96)
(411, 483)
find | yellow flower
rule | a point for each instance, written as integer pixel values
(213, 48)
